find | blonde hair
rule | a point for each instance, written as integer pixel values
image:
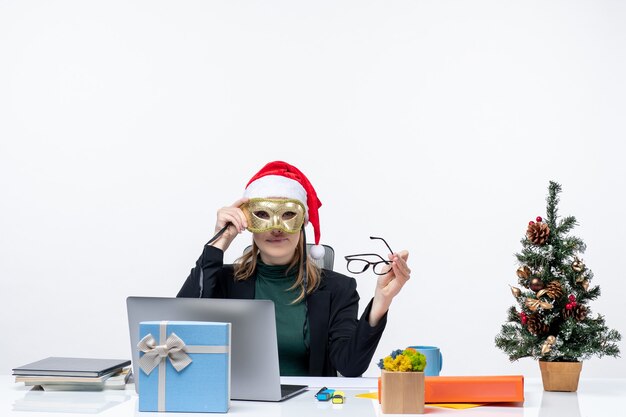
(246, 265)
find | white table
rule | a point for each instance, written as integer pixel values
(595, 397)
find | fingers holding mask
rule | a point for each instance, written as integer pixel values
(232, 214)
(234, 217)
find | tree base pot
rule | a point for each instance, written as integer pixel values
(560, 376)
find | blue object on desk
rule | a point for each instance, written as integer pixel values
(185, 366)
(324, 394)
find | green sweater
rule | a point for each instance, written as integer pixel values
(273, 283)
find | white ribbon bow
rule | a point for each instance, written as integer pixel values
(174, 349)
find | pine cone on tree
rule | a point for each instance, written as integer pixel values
(536, 326)
(579, 313)
(538, 233)
(568, 313)
(554, 289)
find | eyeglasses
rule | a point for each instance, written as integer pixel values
(357, 264)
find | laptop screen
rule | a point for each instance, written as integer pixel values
(255, 373)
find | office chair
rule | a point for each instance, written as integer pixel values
(327, 262)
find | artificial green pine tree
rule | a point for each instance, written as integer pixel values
(554, 321)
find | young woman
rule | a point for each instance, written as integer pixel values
(318, 331)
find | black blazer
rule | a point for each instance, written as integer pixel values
(339, 342)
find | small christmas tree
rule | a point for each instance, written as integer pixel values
(554, 321)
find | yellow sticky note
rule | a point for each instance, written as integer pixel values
(456, 406)
(370, 395)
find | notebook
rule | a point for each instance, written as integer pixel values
(255, 373)
(81, 367)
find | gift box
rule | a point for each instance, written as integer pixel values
(184, 366)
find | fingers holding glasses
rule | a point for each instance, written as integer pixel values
(389, 285)
(392, 282)
(399, 265)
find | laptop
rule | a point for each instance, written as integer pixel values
(255, 373)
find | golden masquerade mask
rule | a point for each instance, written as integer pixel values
(265, 214)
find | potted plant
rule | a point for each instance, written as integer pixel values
(402, 382)
(552, 321)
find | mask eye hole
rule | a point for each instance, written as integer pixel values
(264, 215)
(288, 215)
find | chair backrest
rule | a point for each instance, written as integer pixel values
(327, 262)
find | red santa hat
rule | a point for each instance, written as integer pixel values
(279, 179)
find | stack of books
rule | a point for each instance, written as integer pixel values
(75, 374)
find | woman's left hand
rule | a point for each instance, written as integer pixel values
(389, 285)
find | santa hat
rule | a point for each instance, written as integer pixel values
(279, 179)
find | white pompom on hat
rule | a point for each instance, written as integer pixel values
(280, 179)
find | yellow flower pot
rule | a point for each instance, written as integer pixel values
(402, 392)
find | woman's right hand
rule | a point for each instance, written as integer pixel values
(236, 220)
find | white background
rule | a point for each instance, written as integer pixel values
(125, 125)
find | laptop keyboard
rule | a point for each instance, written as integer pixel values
(287, 390)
